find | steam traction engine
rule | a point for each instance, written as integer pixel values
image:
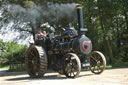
(66, 54)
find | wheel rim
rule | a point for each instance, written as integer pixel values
(97, 62)
(71, 66)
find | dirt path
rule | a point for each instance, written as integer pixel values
(108, 77)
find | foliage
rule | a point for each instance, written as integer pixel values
(2, 51)
(4, 66)
(28, 4)
(12, 53)
(106, 20)
(123, 54)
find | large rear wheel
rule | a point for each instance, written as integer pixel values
(36, 61)
(97, 62)
(72, 65)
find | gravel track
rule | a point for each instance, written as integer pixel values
(108, 77)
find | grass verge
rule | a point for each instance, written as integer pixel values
(24, 70)
(117, 66)
(4, 66)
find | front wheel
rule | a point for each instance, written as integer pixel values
(71, 65)
(97, 62)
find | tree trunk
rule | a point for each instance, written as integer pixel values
(126, 19)
(104, 27)
(108, 51)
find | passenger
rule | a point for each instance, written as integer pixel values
(41, 38)
(38, 35)
(44, 33)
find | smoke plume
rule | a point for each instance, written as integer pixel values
(29, 20)
(54, 14)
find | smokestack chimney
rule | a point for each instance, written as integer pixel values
(82, 30)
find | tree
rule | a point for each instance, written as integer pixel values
(31, 19)
(106, 20)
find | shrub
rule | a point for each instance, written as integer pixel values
(13, 53)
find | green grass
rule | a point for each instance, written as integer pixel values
(117, 66)
(120, 66)
(19, 70)
(108, 66)
(22, 69)
(4, 66)
(113, 66)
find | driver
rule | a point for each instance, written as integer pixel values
(39, 35)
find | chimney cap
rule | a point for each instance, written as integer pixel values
(79, 6)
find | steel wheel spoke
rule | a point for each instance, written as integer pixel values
(93, 58)
(93, 68)
(73, 73)
(98, 68)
